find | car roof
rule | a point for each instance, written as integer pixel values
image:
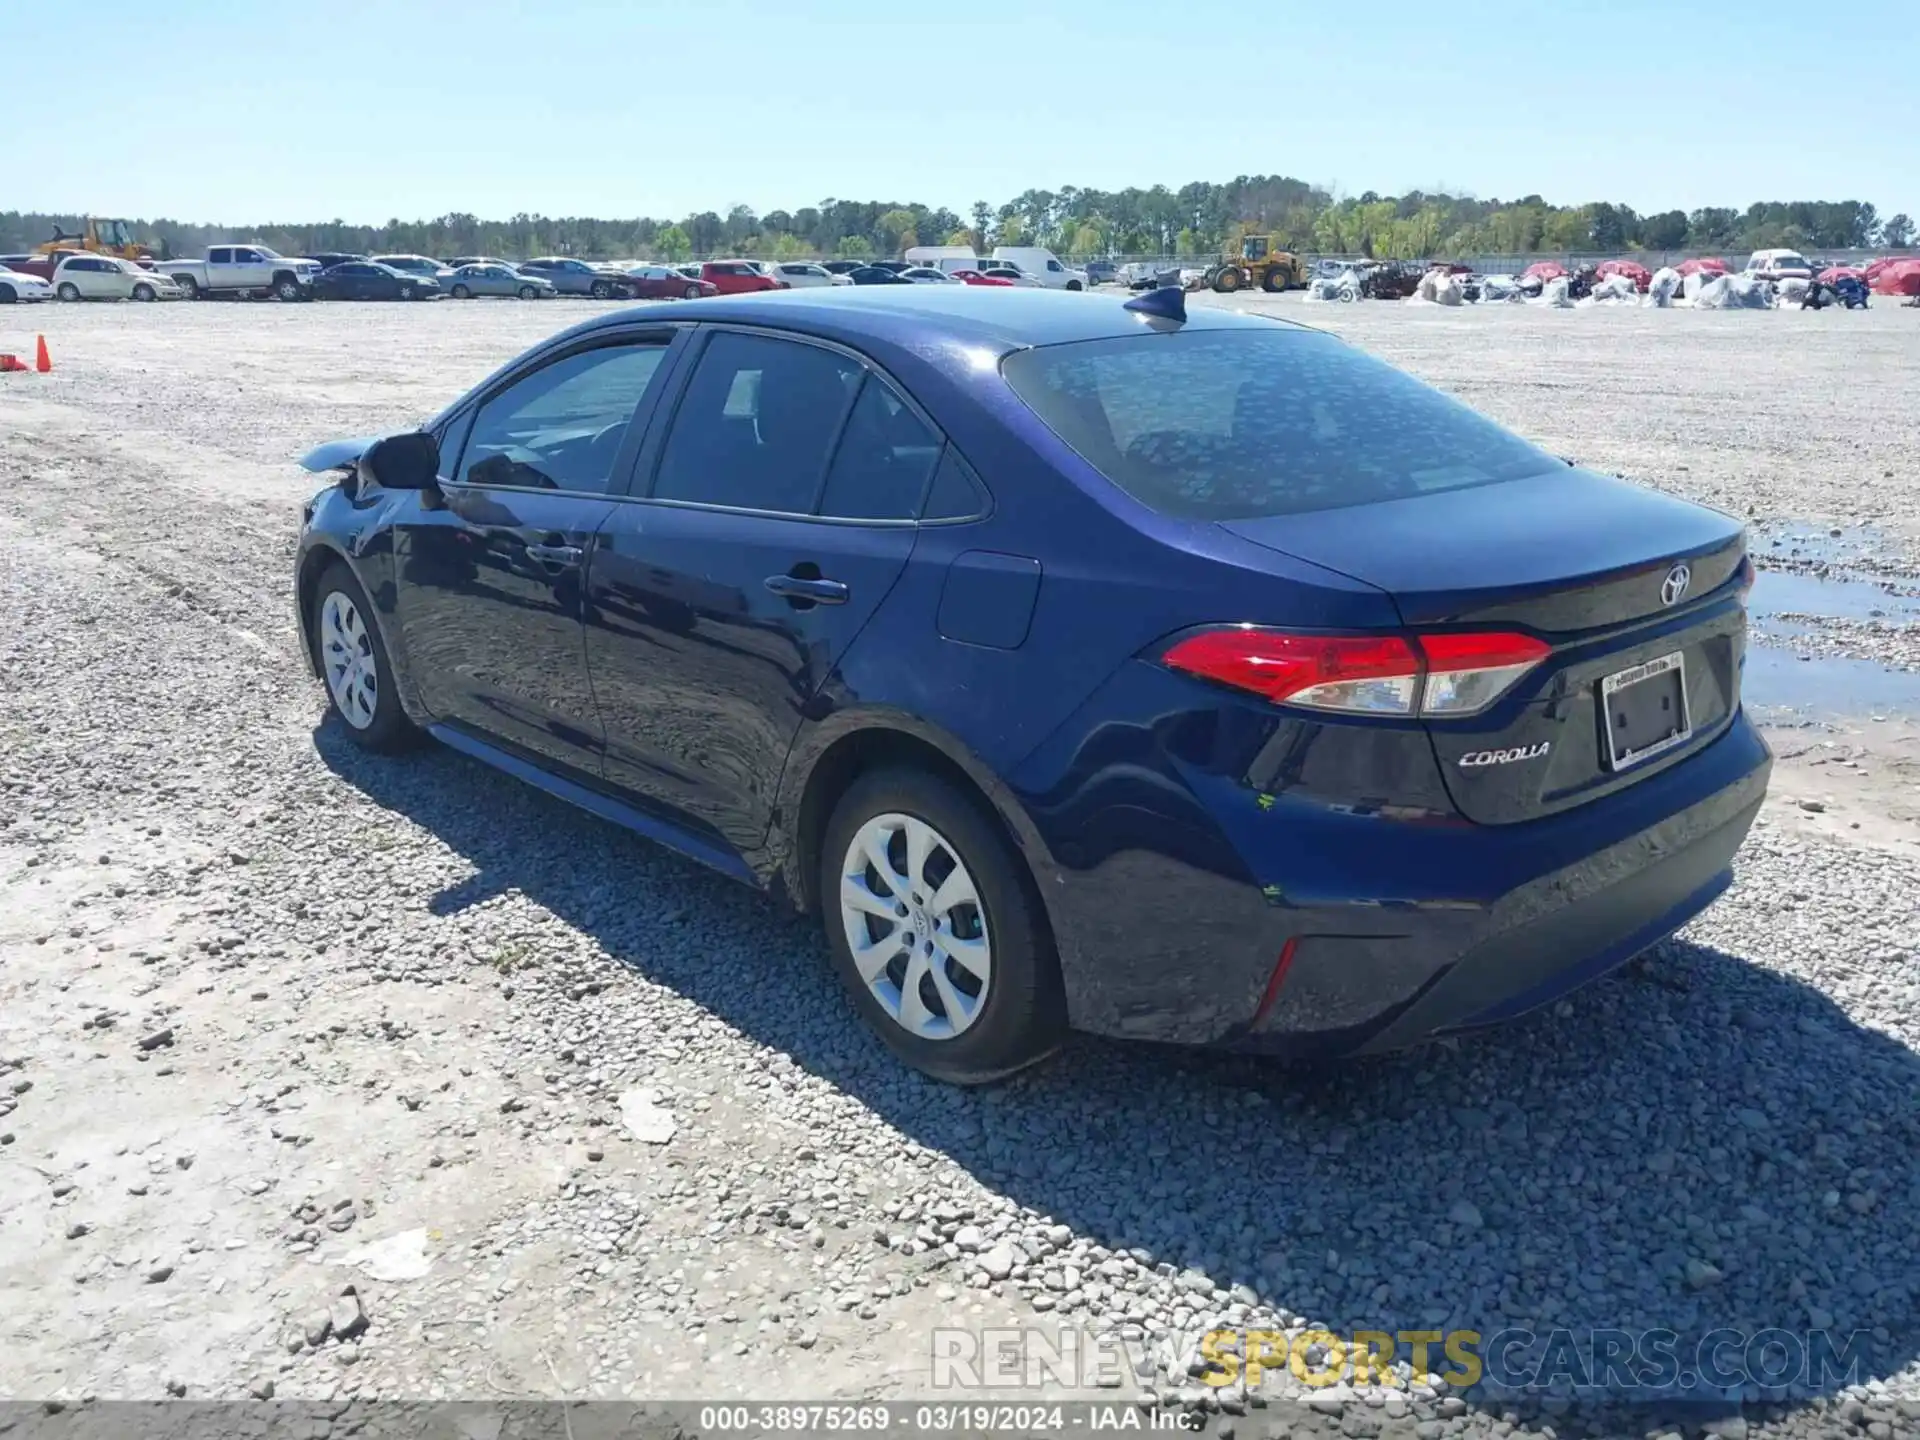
(1003, 320)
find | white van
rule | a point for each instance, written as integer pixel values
(933, 255)
(1042, 264)
(1779, 265)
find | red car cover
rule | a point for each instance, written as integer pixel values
(1894, 277)
(1544, 270)
(1840, 272)
(1638, 273)
(1709, 265)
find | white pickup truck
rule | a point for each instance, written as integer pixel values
(252, 269)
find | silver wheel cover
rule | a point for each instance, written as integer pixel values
(915, 926)
(346, 655)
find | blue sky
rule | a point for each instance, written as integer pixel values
(239, 110)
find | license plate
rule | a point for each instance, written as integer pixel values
(1644, 710)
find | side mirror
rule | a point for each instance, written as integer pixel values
(402, 462)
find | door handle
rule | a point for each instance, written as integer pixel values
(802, 590)
(555, 554)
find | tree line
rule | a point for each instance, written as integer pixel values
(1197, 219)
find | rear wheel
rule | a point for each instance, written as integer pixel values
(354, 663)
(934, 929)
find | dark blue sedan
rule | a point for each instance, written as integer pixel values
(1083, 663)
(370, 280)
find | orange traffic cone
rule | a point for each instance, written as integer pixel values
(9, 363)
(40, 360)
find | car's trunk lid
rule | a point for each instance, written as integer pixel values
(1590, 564)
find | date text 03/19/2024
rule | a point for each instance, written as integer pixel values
(940, 1418)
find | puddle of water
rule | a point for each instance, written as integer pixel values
(1787, 592)
(1777, 684)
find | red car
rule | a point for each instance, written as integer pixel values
(738, 277)
(974, 277)
(663, 282)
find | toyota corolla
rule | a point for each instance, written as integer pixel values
(1082, 664)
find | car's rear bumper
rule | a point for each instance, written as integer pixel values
(1544, 940)
(1175, 888)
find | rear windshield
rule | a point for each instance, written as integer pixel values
(1228, 425)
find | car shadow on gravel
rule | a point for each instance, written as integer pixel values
(1699, 1144)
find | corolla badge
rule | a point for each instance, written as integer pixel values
(1503, 757)
(1673, 589)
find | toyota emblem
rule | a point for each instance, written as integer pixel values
(1674, 588)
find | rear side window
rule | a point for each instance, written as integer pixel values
(886, 453)
(1225, 425)
(755, 426)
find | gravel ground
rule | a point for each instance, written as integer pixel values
(574, 1118)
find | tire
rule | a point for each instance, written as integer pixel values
(1274, 281)
(68, 290)
(143, 292)
(406, 292)
(600, 290)
(1227, 281)
(286, 289)
(7, 295)
(693, 292)
(1017, 1016)
(527, 292)
(1073, 285)
(461, 292)
(364, 672)
(189, 287)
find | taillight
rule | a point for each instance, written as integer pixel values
(1467, 673)
(1364, 674)
(1446, 675)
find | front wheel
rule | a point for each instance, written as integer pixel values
(527, 292)
(1073, 285)
(461, 292)
(68, 290)
(287, 289)
(143, 292)
(601, 290)
(693, 292)
(1274, 281)
(406, 292)
(935, 931)
(354, 663)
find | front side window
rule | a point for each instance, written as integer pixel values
(245, 257)
(561, 428)
(1233, 424)
(755, 425)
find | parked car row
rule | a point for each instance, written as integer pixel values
(80, 276)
